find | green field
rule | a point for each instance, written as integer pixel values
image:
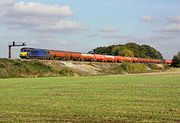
(124, 98)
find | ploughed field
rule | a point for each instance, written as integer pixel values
(124, 98)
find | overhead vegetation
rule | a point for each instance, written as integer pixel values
(129, 49)
(176, 60)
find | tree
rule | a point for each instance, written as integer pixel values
(127, 53)
(147, 51)
(117, 49)
(141, 51)
(176, 60)
(135, 48)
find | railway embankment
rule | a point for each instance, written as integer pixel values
(48, 68)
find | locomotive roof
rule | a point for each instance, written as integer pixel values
(32, 48)
(47, 49)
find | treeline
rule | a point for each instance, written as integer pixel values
(129, 49)
(176, 60)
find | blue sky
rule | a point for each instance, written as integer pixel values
(81, 25)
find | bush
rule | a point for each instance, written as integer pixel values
(2, 65)
(3, 73)
(39, 67)
(176, 60)
(17, 63)
(126, 52)
(154, 66)
(18, 68)
(66, 72)
(131, 68)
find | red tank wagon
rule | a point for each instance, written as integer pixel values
(87, 57)
(140, 60)
(54, 54)
(99, 58)
(109, 58)
(119, 58)
(167, 61)
(128, 59)
(134, 59)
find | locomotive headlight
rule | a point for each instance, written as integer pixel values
(23, 54)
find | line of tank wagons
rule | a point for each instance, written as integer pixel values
(43, 54)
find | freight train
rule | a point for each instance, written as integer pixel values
(44, 54)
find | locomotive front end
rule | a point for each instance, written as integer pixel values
(23, 53)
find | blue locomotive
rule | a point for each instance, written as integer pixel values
(31, 53)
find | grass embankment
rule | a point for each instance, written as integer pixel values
(133, 68)
(124, 98)
(127, 67)
(35, 68)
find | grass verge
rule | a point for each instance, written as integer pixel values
(124, 98)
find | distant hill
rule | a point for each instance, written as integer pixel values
(129, 49)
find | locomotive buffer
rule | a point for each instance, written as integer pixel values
(15, 44)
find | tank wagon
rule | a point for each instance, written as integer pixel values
(44, 54)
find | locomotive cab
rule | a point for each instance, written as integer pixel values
(23, 53)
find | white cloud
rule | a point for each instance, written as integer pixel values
(117, 36)
(4, 6)
(36, 8)
(147, 18)
(93, 35)
(171, 28)
(34, 16)
(3, 2)
(108, 29)
(62, 26)
(2, 13)
(156, 38)
(174, 19)
(67, 24)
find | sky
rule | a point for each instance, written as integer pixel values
(82, 25)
